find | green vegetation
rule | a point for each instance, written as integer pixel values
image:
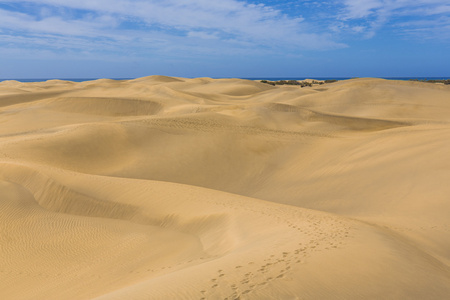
(311, 83)
(444, 81)
(297, 82)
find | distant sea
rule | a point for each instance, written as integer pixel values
(66, 79)
(251, 78)
(344, 78)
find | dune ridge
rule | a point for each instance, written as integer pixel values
(174, 188)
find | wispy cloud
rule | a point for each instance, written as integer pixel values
(268, 33)
(106, 23)
(424, 17)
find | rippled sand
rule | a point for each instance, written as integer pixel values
(172, 188)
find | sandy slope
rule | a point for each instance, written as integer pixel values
(172, 188)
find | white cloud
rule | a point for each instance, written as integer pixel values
(361, 8)
(374, 15)
(225, 20)
(203, 35)
(190, 27)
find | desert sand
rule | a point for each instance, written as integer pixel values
(173, 188)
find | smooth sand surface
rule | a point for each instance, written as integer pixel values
(172, 188)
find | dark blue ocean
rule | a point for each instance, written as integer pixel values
(252, 78)
(67, 79)
(345, 78)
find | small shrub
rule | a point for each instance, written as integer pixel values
(267, 82)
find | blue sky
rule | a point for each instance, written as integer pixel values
(224, 38)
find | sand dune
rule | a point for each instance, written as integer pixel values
(173, 188)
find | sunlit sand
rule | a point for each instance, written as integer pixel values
(173, 188)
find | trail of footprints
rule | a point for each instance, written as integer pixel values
(314, 234)
(255, 275)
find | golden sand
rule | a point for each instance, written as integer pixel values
(172, 188)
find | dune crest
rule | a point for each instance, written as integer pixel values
(174, 188)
